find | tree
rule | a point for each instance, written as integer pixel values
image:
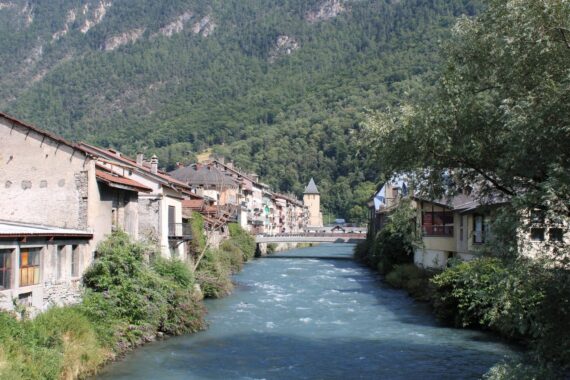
(499, 114)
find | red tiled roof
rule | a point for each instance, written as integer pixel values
(116, 180)
(196, 204)
(132, 163)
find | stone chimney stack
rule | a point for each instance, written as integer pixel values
(140, 158)
(154, 164)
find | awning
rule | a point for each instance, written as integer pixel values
(17, 230)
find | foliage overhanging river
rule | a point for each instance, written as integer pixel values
(303, 318)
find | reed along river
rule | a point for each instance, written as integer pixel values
(311, 318)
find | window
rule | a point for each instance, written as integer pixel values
(5, 269)
(60, 260)
(437, 223)
(555, 234)
(461, 228)
(114, 219)
(30, 266)
(75, 261)
(537, 216)
(478, 229)
(537, 234)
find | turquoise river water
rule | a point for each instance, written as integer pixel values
(299, 316)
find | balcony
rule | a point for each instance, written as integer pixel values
(438, 230)
(180, 231)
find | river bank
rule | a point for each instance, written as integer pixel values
(518, 300)
(301, 316)
(131, 297)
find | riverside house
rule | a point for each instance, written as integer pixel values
(56, 205)
(451, 227)
(160, 218)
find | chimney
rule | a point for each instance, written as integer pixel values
(140, 158)
(154, 164)
(230, 165)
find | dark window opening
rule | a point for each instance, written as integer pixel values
(555, 234)
(537, 234)
(5, 269)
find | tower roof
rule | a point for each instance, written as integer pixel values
(311, 188)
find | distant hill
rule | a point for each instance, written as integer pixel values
(279, 86)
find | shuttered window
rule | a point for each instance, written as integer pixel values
(30, 266)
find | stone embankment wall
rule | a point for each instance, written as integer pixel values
(279, 247)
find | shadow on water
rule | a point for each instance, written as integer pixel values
(267, 356)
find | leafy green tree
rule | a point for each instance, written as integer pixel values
(500, 114)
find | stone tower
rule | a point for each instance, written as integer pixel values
(312, 199)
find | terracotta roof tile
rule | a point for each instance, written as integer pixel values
(122, 182)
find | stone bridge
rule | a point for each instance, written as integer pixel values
(350, 238)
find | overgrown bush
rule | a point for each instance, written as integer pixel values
(145, 295)
(466, 292)
(198, 242)
(213, 275)
(232, 256)
(522, 300)
(393, 244)
(243, 240)
(127, 301)
(413, 279)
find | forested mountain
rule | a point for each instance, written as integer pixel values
(279, 86)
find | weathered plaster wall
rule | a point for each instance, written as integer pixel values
(42, 182)
(149, 218)
(57, 285)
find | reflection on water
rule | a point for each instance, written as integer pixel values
(307, 318)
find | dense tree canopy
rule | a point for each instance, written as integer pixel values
(500, 114)
(290, 118)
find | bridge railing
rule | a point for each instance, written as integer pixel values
(317, 234)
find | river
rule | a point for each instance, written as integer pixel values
(308, 318)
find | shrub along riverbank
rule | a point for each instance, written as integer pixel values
(131, 296)
(523, 301)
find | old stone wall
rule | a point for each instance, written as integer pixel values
(215, 238)
(149, 219)
(62, 293)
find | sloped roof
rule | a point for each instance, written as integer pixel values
(39, 131)
(120, 182)
(204, 176)
(465, 203)
(20, 230)
(119, 158)
(311, 188)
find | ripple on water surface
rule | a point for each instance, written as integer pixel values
(326, 319)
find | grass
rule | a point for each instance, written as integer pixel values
(126, 303)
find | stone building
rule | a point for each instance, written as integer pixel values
(312, 200)
(160, 218)
(56, 205)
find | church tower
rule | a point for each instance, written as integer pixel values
(312, 200)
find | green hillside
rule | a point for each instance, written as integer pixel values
(279, 86)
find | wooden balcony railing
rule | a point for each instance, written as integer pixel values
(180, 231)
